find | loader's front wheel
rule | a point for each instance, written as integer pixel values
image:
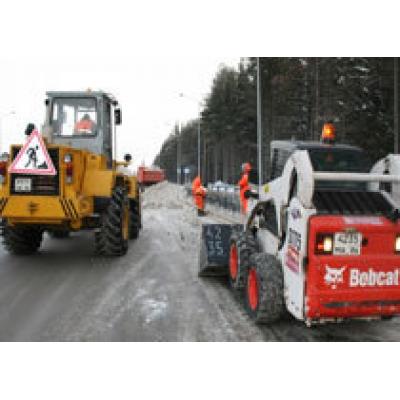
(21, 240)
(112, 237)
(264, 289)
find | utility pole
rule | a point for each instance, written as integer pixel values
(396, 105)
(259, 127)
(316, 129)
(199, 144)
(199, 105)
(179, 154)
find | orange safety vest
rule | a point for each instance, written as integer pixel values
(244, 187)
(196, 183)
(200, 194)
(84, 126)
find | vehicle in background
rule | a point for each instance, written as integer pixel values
(148, 176)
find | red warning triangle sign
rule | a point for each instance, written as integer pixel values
(33, 158)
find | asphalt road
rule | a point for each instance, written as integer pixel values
(65, 293)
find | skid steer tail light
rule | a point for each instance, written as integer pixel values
(324, 243)
(397, 244)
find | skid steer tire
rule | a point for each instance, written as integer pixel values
(243, 245)
(21, 240)
(264, 300)
(111, 239)
(134, 222)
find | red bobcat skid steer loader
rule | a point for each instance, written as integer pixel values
(322, 240)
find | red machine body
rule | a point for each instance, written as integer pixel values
(150, 176)
(342, 286)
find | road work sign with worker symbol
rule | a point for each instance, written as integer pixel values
(33, 158)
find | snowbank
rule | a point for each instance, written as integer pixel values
(164, 194)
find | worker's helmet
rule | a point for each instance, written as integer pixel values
(29, 129)
(328, 133)
(246, 167)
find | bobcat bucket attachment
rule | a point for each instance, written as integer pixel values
(214, 248)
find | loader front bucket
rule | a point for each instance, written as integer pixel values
(214, 248)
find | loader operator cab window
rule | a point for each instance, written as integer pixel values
(74, 117)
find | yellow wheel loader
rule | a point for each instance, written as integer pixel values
(67, 178)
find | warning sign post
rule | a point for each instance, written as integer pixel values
(33, 158)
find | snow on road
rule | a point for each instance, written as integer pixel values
(66, 293)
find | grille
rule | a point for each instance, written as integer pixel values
(44, 185)
(351, 203)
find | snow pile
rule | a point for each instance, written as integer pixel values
(164, 195)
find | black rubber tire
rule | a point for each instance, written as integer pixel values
(134, 221)
(21, 240)
(246, 246)
(59, 234)
(109, 240)
(271, 305)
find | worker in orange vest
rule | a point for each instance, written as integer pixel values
(195, 184)
(84, 126)
(244, 186)
(199, 194)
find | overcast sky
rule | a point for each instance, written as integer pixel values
(147, 88)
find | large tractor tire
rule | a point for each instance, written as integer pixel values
(112, 236)
(134, 221)
(21, 240)
(264, 298)
(243, 245)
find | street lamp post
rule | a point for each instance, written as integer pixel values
(199, 104)
(259, 126)
(198, 143)
(396, 105)
(178, 154)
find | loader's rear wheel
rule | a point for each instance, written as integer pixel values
(134, 221)
(242, 247)
(264, 289)
(21, 240)
(112, 237)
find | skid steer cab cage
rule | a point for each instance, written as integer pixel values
(299, 165)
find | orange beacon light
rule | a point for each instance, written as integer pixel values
(328, 133)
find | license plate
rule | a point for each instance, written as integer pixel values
(23, 185)
(347, 243)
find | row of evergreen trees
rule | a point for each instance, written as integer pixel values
(298, 96)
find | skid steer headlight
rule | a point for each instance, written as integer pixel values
(397, 244)
(324, 244)
(67, 158)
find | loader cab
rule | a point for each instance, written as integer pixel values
(83, 120)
